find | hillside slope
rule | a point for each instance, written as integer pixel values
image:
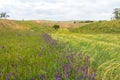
(99, 27)
(27, 52)
(34, 55)
(99, 40)
(11, 24)
(63, 24)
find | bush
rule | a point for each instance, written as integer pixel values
(74, 22)
(56, 27)
(86, 21)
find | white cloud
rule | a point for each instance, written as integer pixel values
(59, 9)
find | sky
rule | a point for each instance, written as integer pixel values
(59, 9)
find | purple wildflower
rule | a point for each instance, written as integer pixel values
(66, 68)
(58, 77)
(7, 77)
(93, 75)
(48, 39)
(42, 77)
(83, 69)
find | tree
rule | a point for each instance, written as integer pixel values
(56, 27)
(116, 13)
(4, 15)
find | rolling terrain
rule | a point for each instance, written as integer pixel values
(33, 50)
(100, 40)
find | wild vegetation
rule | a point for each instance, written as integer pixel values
(99, 27)
(33, 51)
(99, 40)
(32, 54)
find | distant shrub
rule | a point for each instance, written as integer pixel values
(89, 21)
(82, 22)
(56, 27)
(74, 22)
(86, 21)
(101, 20)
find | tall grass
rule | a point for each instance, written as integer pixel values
(103, 50)
(90, 52)
(99, 27)
(35, 55)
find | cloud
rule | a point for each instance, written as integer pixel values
(59, 9)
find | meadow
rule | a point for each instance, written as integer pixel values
(31, 50)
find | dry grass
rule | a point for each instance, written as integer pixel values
(63, 24)
(11, 24)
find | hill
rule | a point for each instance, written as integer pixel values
(29, 52)
(63, 24)
(99, 40)
(11, 24)
(33, 50)
(100, 27)
(38, 25)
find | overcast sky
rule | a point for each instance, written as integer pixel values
(59, 9)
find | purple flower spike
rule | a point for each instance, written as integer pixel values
(66, 68)
(7, 77)
(93, 76)
(48, 39)
(58, 77)
(83, 69)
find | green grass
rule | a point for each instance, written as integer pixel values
(37, 27)
(99, 27)
(26, 55)
(102, 46)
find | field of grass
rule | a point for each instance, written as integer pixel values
(63, 24)
(32, 54)
(90, 52)
(99, 27)
(103, 50)
(99, 40)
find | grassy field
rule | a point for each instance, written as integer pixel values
(99, 27)
(99, 40)
(102, 48)
(28, 52)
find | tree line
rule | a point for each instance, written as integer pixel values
(116, 13)
(4, 15)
